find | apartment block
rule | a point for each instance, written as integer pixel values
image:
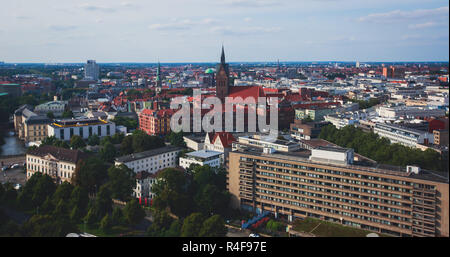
(151, 161)
(325, 184)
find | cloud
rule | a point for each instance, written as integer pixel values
(251, 3)
(247, 19)
(397, 15)
(228, 30)
(93, 8)
(429, 24)
(62, 27)
(182, 24)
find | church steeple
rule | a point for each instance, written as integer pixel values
(158, 76)
(222, 78)
(222, 57)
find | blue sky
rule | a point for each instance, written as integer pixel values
(251, 30)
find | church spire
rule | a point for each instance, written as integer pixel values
(222, 58)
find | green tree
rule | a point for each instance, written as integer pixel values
(126, 147)
(133, 212)
(93, 140)
(91, 218)
(118, 217)
(103, 202)
(79, 198)
(106, 224)
(90, 173)
(108, 152)
(174, 229)
(45, 187)
(63, 192)
(77, 142)
(76, 214)
(161, 223)
(67, 114)
(121, 182)
(50, 115)
(214, 226)
(192, 225)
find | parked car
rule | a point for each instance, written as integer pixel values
(17, 186)
(14, 166)
(253, 235)
(4, 168)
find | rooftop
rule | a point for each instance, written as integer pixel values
(204, 154)
(146, 154)
(302, 156)
(59, 153)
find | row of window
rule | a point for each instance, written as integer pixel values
(336, 198)
(315, 182)
(343, 213)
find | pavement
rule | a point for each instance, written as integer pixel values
(14, 176)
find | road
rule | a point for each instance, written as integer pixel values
(14, 176)
(8, 160)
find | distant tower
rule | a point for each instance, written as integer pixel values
(158, 78)
(91, 70)
(357, 64)
(222, 78)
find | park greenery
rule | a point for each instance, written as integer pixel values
(366, 104)
(127, 122)
(191, 203)
(381, 150)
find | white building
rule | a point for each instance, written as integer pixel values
(261, 142)
(397, 111)
(56, 107)
(83, 127)
(202, 157)
(404, 136)
(57, 162)
(144, 183)
(151, 161)
(91, 70)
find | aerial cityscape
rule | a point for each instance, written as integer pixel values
(239, 142)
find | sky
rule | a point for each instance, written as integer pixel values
(58, 31)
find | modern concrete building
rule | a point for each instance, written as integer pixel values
(57, 162)
(202, 157)
(395, 112)
(303, 184)
(151, 161)
(404, 136)
(262, 142)
(83, 127)
(91, 70)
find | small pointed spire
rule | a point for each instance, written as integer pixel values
(222, 58)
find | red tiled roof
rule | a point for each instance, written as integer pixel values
(225, 137)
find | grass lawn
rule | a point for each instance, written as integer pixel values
(328, 229)
(116, 231)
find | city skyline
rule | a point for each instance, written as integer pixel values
(251, 30)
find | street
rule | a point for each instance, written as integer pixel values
(14, 176)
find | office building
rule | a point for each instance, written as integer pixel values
(91, 70)
(404, 136)
(83, 127)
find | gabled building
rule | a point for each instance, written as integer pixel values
(57, 162)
